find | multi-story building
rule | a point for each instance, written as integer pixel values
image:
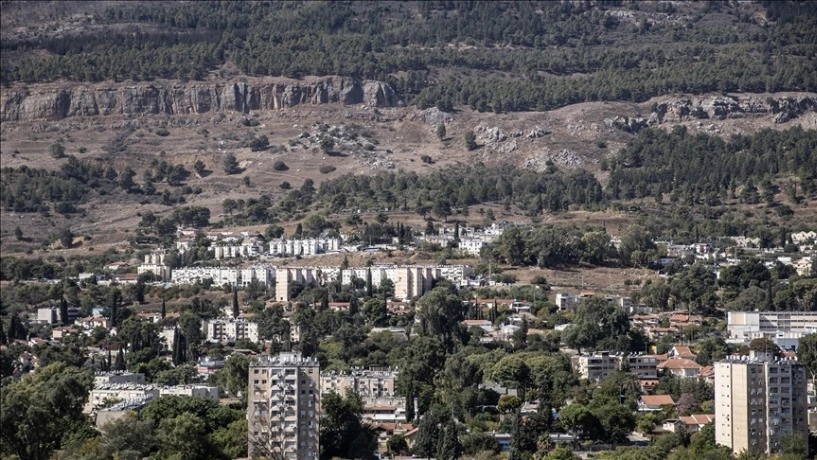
(409, 280)
(644, 367)
(155, 263)
(107, 394)
(201, 391)
(472, 246)
(225, 330)
(745, 326)
(595, 367)
(102, 378)
(224, 275)
(305, 247)
(370, 385)
(758, 401)
(283, 409)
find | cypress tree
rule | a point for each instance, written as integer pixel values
(449, 447)
(176, 346)
(12, 333)
(164, 308)
(369, 289)
(120, 360)
(235, 302)
(63, 311)
(108, 361)
(2, 335)
(325, 301)
(410, 405)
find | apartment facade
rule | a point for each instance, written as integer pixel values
(370, 385)
(283, 410)
(224, 330)
(224, 275)
(409, 280)
(155, 263)
(595, 367)
(304, 247)
(745, 326)
(642, 366)
(758, 401)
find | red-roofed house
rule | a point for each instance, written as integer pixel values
(690, 424)
(680, 367)
(481, 323)
(654, 403)
(682, 351)
(707, 373)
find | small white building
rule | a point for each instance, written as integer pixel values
(202, 391)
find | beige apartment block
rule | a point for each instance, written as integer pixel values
(283, 409)
(758, 401)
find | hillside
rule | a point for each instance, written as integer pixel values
(361, 87)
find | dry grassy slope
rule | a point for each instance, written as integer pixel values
(400, 133)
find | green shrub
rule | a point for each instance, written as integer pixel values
(327, 169)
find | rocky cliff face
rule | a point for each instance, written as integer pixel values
(718, 108)
(55, 104)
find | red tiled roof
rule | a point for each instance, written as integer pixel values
(679, 363)
(697, 419)
(657, 400)
(684, 352)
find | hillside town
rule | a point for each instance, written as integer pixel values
(415, 229)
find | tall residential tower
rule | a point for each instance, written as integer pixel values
(283, 409)
(759, 400)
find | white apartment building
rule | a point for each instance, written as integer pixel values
(595, 367)
(102, 378)
(249, 248)
(201, 391)
(110, 393)
(283, 410)
(224, 275)
(567, 301)
(745, 326)
(263, 273)
(303, 247)
(48, 315)
(155, 263)
(409, 280)
(758, 401)
(370, 385)
(229, 330)
(644, 367)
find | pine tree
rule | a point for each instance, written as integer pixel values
(235, 302)
(63, 311)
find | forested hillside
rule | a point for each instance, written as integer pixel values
(501, 56)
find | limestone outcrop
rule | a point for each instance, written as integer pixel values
(150, 99)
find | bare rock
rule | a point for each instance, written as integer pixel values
(81, 101)
(434, 116)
